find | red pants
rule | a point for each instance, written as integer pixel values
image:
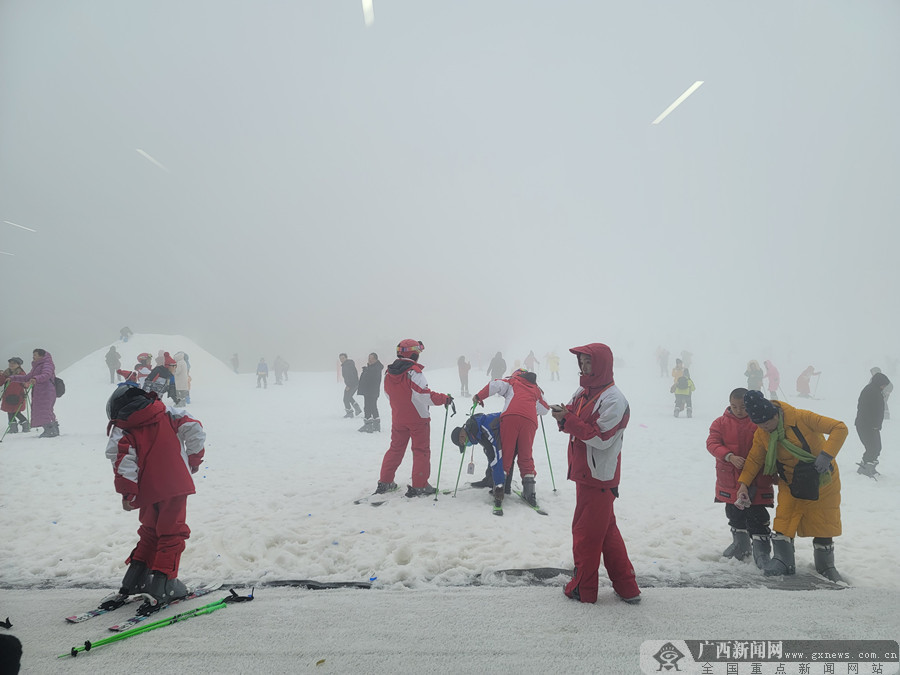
(516, 440)
(594, 533)
(420, 434)
(163, 534)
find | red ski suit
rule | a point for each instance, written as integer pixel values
(730, 434)
(518, 421)
(410, 399)
(153, 454)
(597, 416)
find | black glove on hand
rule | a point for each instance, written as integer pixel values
(823, 462)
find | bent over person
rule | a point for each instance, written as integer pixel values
(791, 443)
(595, 420)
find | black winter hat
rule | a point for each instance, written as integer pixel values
(16, 359)
(759, 407)
(454, 438)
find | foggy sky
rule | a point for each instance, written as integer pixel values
(479, 175)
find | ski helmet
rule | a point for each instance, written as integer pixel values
(410, 349)
(126, 399)
(144, 356)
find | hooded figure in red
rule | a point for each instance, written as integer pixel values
(595, 420)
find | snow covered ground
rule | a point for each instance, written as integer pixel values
(275, 502)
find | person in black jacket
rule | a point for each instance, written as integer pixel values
(869, 418)
(369, 389)
(497, 367)
(351, 383)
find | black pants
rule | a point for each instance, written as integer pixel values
(21, 418)
(871, 440)
(370, 406)
(754, 519)
(350, 401)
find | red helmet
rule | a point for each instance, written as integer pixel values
(407, 348)
(144, 356)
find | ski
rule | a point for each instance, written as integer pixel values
(84, 616)
(536, 508)
(138, 618)
(383, 497)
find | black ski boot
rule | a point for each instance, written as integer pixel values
(486, 482)
(419, 491)
(823, 555)
(782, 561)
(136, 578)
(160, 591)
(528, 491)
(762, 549)
(385, 488)
(740, 545)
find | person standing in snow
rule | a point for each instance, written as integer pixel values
(14, 398)
(113, 362)
(773, 377)
(869, 418)
(154, 450)
(518, 424)
(662, 358)
(463, 367)
(730, 439)
(683, 388)
(886, 392)
(141, 369)
(351, 384)
(531, 361)
(803, 381)
(553, 365)
(791, 443)
(754, 375)
(497, 367)
(262, 373)
(161, 379)
(125, 333)
(410, 399)
(595, 420)
(42, 378)
(370, 388)
(182, 380)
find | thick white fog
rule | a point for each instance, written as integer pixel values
(480, 176)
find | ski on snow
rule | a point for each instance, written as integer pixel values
(116, 599)
(380, 498)
(536, 508)
(138, 618)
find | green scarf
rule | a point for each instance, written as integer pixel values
(802, 455)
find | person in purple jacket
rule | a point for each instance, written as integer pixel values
(42, 377)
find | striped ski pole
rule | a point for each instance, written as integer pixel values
(183, 616)
(547, 445)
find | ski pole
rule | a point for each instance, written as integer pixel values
(437, 483)
(14, 420)
(462, 457)
(546, 445)
(205, 609)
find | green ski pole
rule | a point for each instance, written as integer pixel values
(183, 616)
(437, 483)
(547, 445)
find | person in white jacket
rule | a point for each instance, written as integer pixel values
(182, 380)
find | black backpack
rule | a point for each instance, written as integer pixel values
(682, 382)
(60, 386)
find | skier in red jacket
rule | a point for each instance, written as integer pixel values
(595, 420)
(410, 399)
(154, 450)
(518, 424)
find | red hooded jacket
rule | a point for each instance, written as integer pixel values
(598, 415)
(730, 434)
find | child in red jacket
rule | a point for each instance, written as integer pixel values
(154, 450)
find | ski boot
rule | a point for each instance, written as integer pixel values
(384, 488)
(420, 491)
(782, 561)
(762, 549)
(528, 490)
(160, 591)
(486, 482)
(134, 582)
(497, 493)
(740, 545)
(823, 555)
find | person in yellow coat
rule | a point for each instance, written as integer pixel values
(792, 443)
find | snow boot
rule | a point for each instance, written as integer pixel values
(366, 427)
(51, 430)
(762, 549)
(782, 561)
(690, 412)
(868, 469)
(823, 554)
(348, 414)
(486, 482)
(161, 590)
(13, 428)
(136, 578)
(740, 545)
(676, 412)
(376, 425)
(528, 490)
(357, 409)
(636, 600)
(419, 491)
(385, 487)
(26, 427)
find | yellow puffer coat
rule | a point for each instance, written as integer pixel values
(801, 517)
